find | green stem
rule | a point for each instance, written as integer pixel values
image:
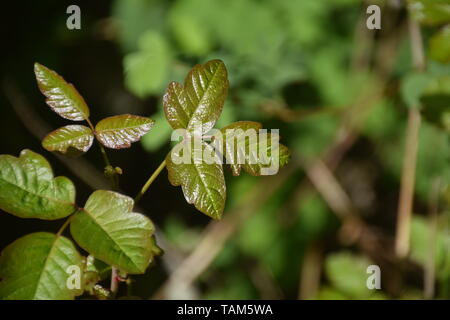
(115, 185)
(150, 181)
(64, 226)
(113, 177)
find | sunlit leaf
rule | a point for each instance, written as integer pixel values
(62, 97)
(107, 229)
(203, 184)
(69, 139)
(35, 267)
(245, 152)
(119, 132)
(28, 189)
(200, 100)
(421, 246)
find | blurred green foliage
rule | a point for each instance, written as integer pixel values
(306, 67)
(289, 57)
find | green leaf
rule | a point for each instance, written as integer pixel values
(440, 45)
(160, 134)
(200, 100)
(107, 229)
(62, 97)
(237, 142)
(94, 272)
(421, 246)
(348, 273)
(119, 132)
(28, 189)
(147, 70)
(191, 35)
(436, 102)
(412, 87)
(71, 139)
(203, 184)
(430, 12)
(35, 267)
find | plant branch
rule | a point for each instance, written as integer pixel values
(410, 154)
(64, 226)
(150, 181)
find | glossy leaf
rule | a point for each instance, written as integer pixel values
(71, 139)
(35, 267)
(62, 97)
(237, 142)
(108, 230)
(200, 100)
(28, 189)
(120, 131)
(203, 184)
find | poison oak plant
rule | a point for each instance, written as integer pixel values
(46, 265)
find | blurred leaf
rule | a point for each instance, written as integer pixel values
(436, 102)
(420, 243)
(147, 70)
(305, 19)
(314, 218)
(135, 17)
(69, 139)
(203, 184)
(28, 189)
(192, 36)
(228, 115)
(412, 87)
(200, 101)
(440, 45)
(119, 132)
(327, 293)
(315, 134)
(381, 120)
(348, 273)
(160, 134)
(328, 71)
(107, 229)
(62, 97)
(34, 267)
(436, 110)
(430, 12)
